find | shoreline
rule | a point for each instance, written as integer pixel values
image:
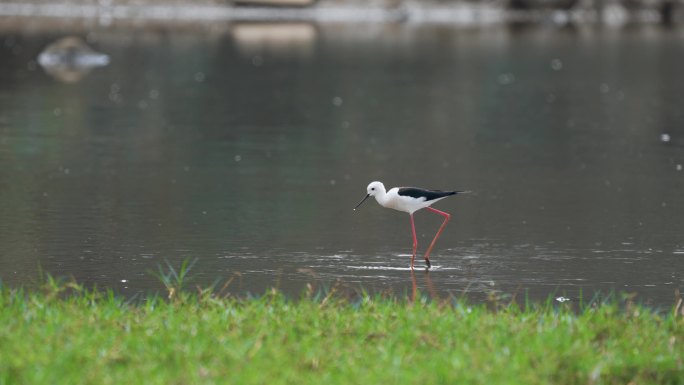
(460, 13)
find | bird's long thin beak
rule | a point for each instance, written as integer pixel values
(362, 200)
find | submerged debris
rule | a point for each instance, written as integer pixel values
(69, 59)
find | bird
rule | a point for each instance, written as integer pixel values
(410, 200)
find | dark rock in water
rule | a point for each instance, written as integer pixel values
(70, 58)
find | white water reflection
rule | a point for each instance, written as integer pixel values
(433, 268)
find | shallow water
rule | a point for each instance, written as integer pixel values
(248, 151)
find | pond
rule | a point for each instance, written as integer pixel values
(246, 146)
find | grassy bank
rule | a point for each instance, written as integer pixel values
(49, 336)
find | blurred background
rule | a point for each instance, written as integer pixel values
(240, 135)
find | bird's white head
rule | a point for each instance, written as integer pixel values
(373, 189)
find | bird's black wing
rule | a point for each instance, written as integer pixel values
(415, 192)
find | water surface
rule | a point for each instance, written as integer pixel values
(247, 151)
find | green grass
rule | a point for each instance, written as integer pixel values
(64, 334)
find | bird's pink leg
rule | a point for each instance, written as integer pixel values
(446, 216)
(415, 241)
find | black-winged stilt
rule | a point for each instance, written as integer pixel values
(410, 200)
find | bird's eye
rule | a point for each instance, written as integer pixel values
(373, 189)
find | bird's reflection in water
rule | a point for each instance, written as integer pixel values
(429, 285)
